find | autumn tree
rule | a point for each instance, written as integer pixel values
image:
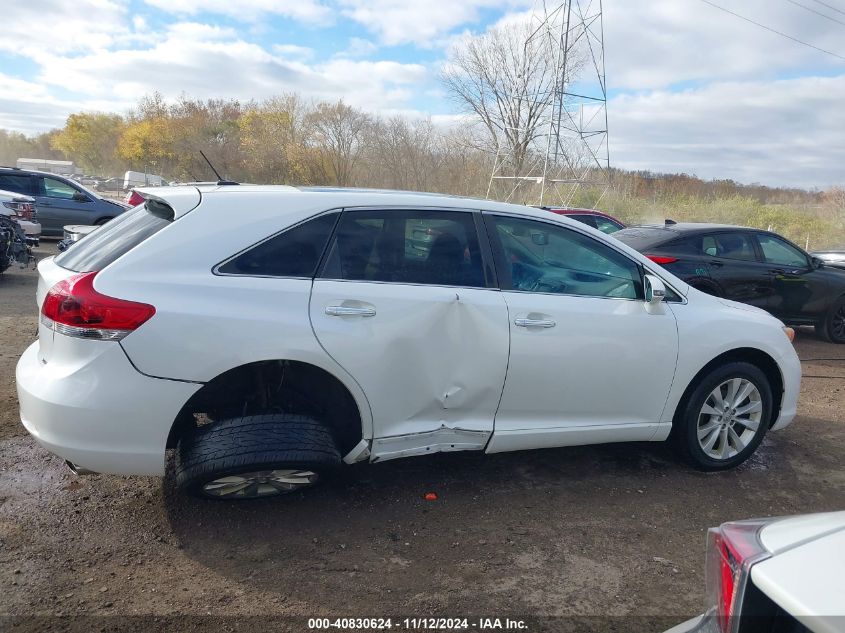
(504, 79)
(90, 139)
(339, 132)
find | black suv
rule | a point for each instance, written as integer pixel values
(749, 265)
(59, 200)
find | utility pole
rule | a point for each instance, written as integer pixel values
(570, 162)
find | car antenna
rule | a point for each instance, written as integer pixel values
(220, 179)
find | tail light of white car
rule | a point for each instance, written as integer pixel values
(74, 308)
(22, 209)
(732, 549)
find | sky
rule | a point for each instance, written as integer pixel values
(692, 89)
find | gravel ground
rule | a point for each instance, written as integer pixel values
(615, 531)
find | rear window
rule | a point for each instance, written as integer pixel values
(640, 238)
(114, 239)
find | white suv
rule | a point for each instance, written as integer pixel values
(269, 334)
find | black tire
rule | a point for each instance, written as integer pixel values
(102, 221)
(255, 445)
(832, 328)
(686, 424)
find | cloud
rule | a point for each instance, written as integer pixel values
(214, 62)
(358, 47)
(421, 23)
(309, 11)
(658, 43)
(62, 27)
(748, 131)
(30, 108)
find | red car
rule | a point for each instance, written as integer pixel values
(596, 219)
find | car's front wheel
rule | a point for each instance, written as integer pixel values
(255, 456)
(725, 417)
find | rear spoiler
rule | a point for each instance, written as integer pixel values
(170, 203)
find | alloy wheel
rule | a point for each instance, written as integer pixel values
(729, 418)
(260, 483)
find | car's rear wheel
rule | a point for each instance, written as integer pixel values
(725, 417)
(832, 328)
(255, 456)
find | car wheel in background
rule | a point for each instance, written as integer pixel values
(832, 329)
(724, 419)
(255, 456)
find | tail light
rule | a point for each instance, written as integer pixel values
(22, 209)
(134, 199)
(662, 259)
(74, 308)
(732, 549)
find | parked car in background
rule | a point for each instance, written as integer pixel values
(597, 219)
(21, 209)
(113, 185)
(273, 351)
(751, 266)
(781, 575)
(831, 258)
(59, 200)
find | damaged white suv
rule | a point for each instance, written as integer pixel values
(269, 334)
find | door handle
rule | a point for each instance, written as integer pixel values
(534, 322)
(717, 264)
(776, 271)
(350, 311)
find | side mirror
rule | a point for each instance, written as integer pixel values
(80, 197)
(817, 262)
(655, 290)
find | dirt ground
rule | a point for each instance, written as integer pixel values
(615, 531)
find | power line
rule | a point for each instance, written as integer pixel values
(824, 15)
(832, 8)
(776, 32)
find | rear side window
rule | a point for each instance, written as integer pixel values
(293, 253)
(438, 248)
(584, 219)
(16, 183)
(114, 239)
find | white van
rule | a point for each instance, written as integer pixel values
(141, 179)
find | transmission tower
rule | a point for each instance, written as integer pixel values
(568, 160)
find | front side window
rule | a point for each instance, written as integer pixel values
(540, 257)
(776, 251)
(57, 189)
(437, 248)
(292, 253)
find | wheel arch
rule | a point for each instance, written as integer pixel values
(760, 359)
(278, 385)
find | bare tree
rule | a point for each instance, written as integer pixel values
(505, 79)
(339, 131)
